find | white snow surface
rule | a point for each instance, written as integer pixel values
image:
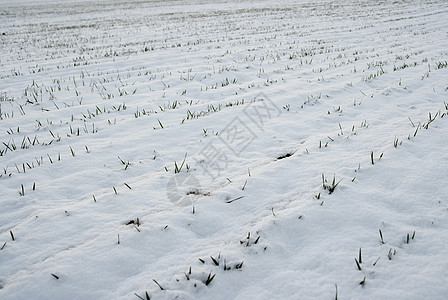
(177, 149)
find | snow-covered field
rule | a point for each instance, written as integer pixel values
(221, 150)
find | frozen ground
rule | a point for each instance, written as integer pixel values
(249, 150)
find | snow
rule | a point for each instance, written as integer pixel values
(148, 143)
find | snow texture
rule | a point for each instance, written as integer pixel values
(223, 150)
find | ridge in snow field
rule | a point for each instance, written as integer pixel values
(238, 150)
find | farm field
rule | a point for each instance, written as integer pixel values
(223, 150)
